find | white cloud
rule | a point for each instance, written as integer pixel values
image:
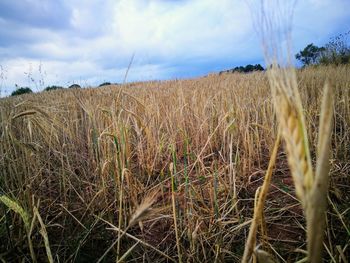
(38, 74)
(195, 28)
(318, 20)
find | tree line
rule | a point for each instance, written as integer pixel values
(246, 69)
(24, 90)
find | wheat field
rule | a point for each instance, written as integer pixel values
(164, 171)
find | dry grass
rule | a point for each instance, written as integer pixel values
(92, 156)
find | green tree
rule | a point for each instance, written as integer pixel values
(310, 55)
(21, 91)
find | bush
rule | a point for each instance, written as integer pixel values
(52, 88)
(74, 86)
(21, 91)
(104, 84)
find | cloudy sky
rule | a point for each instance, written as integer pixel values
(60, 42)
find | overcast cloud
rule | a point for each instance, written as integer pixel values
(88, 42)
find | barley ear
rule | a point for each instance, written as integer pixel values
(290, 114)
(143, 210)
(13, 205)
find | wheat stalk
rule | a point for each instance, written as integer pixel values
(173, 202)
(258, 210)
(317, 197)
(141, 212)
(44, 234)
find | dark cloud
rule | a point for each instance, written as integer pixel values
(19, 35)
(42, 14)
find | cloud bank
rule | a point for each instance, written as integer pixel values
(89, 42)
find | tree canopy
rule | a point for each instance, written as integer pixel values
(21, 90)
(310, 54)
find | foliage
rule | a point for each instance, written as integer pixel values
(52, 88)
(310, 54)
(20, 91)
(74, 86)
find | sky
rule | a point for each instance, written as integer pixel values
(61, 42)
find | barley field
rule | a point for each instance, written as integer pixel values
(166, 171)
